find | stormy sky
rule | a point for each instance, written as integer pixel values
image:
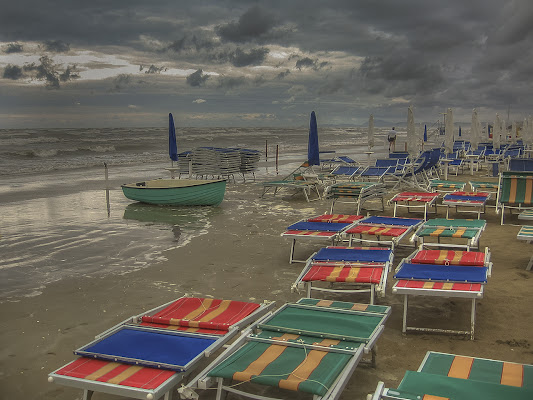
(269, 63)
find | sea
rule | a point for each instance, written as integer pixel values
(63, 214)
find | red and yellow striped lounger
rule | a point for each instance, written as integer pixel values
(445, 273)
(381, 230)
(340, 269)
(311, 347)
(406, 199)
(211, 322)
(477, 200)
(449, 376)
(326, 227)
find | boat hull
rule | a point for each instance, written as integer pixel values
(177, 192)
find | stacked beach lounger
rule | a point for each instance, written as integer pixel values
(358, 192)
(340, 269)
(327, 227)
(311, 347)
(443, 376)
(412, 200)
(443, 273)
(475, 200)
(458, 233)
(146, 356)
(380, 230)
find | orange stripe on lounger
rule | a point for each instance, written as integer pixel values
(269, 355)
(436, 232)
(459, 233)
(443, 254)
(461, 367)
(457, 257)
(206, 303)
(223, 306)
(359, 307)
(529, 190)
(335, 272)
(447, 286)
(102, 371)
(512, 374)
(512, 190)
(324, 303)
(432, 397)
(125, 374)
(306, 367)
(428, 285)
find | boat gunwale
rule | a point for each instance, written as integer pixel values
(200, 183)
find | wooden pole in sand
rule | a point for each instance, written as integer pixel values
(266, 150)
(277, 157)
(107, 191)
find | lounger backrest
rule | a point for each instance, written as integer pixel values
(386, 162)
(516, 188)
(521, 164)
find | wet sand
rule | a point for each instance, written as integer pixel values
(243, 257)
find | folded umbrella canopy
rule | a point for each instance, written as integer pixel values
(172, 146)
(313, 154)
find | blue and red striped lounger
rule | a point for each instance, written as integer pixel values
(326, 227)
(146, 356)
(477, 200)
(346, 270)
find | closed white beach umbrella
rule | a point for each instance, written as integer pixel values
(513, 132)
(371, 131)
(529, 135)
(412, 142)
(496, 132)
(475, 130)
(448, 132)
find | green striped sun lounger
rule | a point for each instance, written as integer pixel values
(438, 228)
(436, 185)
(452, 377)
(515, 191)
(360, 192)
(526, 214)
(312, 347)
(484, 186)
(526, 233)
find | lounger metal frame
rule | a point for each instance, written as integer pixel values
(528, 237)
(409, 204)
(91, 386)
(470, 243)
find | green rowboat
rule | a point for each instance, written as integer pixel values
(177, 192)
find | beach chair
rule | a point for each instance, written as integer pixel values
(515, 192)
(300, 180)
(327, 227)
(476, 200)
(388, 231)
(526, 233)
(346, 172)
(309, 348)
(443, 273)
(380, 170)
(147, 355)
(416, 200)
(458, 233)
(443, 376)
(437, 185)
(341, 269)
(358, 192)
(526, 215)
(521, 164)
(491, 187)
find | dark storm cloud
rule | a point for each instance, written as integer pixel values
(197, 78)
(253, 24)
(13, 48)
(13, 72)
(240, 58)
(283, 74)
(152, 69)
(56, 46)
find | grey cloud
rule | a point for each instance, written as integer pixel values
(13, 48)
(152, 69)
(197, 78)
(254, 23)
(283, 74)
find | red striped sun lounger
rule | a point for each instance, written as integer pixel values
(341, 269)
(134, 358)
(381, 230)
(406, 199)
(443, 273)
(326, 227)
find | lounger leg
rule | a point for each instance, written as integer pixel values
(220, 389)
(87, 394)
(372, 293)
(394, 215)
(291, 256)
(404, 328)
(530, 265)
(503, 213)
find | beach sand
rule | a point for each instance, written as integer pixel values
(243, 257)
